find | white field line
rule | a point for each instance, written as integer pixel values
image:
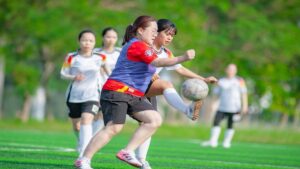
(31, 147)
(39, 148)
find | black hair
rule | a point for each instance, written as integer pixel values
(140, 22)
(165, 24)
(85, 31)
(105, 30)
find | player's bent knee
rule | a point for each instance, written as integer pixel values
(114, 129)
(167, 84)
(156, 120)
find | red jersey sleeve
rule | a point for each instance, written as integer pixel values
(140, 51)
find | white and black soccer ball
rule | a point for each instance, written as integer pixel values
(194, 89)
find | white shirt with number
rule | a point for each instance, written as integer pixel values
(230, 92)
(89, 88)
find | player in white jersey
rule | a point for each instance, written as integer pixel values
(166, 32)
(232, 93)
(82, 68)
(111, 52)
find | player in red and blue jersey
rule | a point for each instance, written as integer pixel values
(123, 93)
(166, 32)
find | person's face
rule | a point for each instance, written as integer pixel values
(110, 38)
(165, 37)
(149, 33)
(231, 71)
(87, 42)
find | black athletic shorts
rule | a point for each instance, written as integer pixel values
(115, 106)
(75, 109)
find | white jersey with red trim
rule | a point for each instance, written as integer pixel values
(230, 92)
(111, 58)
(166, 53)
(89, 88)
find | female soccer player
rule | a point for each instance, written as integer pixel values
(82, 68)
(111, 52)
(166, 32)
(123, 93)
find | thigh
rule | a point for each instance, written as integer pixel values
(147, 116)
(218, 118)
(114, 107)
(157, 87)
(91, 107)
(230, 119)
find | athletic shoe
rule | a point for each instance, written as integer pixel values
(194, 110)
(209, 144)
(81, 163)
(129, 158)
(145, 165)
(226, 145)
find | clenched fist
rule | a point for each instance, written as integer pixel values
(190, 54)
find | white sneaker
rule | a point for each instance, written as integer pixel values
(129, 157)
(209, 144)
(194, 110)
(82, 163)
(145, 165)
(226, 145)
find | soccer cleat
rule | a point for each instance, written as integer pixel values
(81, 163)
(129, 158)
(194, 109)
(145, 165)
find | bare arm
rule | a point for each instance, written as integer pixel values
(105, 70)
(189, 74)
(244, 103)
(162, 62)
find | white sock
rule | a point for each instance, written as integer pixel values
(142, 150)
(97, 125)
(85, 135)
(175, 100)
(86, 159)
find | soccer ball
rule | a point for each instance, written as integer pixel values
(194, 89)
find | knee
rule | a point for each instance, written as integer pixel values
(156, 121)
(167, 84)
(114, 129)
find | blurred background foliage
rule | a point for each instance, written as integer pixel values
(260, 36)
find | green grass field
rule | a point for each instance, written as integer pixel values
(50, 147)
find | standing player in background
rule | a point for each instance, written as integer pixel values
(166, 32)
(82, 68)
(232, 93)
(123, 93)
(111, 52)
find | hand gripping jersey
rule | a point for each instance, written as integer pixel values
(133, 71)
(230, 92)
(166, 53)
(89, 88)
